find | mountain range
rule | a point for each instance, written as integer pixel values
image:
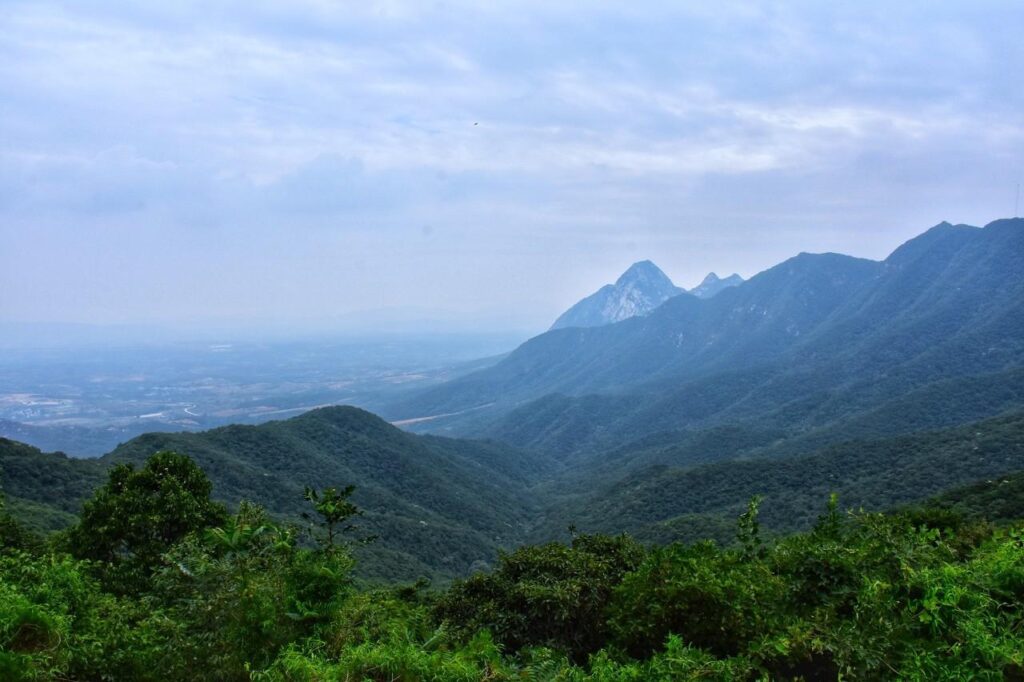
(814, 341)
(886, 381)
(639, 290)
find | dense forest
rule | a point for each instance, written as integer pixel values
(663, 499)
(156, 579)
(442, 508)
(437, 504)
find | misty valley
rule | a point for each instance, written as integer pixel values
(84, 398)
(652, 489)
(400, 341)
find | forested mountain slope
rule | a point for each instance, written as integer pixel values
(663, 503)
(999, 499)
(44, 489)
(816, 340)
(438, 505)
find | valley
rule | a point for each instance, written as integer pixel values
(452, 341)
(889, 390)
(886, 383)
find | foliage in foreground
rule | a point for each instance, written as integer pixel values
(920, 594)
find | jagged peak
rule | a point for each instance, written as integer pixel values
(643, 269)
(640, 289)
(712, 284)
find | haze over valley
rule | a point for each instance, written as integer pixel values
(465, 342)
(84, 398)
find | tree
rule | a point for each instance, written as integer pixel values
(748, 530)
(138, 515)
(550, 595)
(335, 510)
(13, 535)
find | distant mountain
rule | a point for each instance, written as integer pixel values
(712, 284)
(640, 289)
(437, 504)
(811, 342)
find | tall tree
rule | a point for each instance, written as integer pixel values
(134, 518)
(335, 509)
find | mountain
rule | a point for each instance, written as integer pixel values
(640, 289)
(999, 499)
(712, 284)
(665, 503)
(817, 340)
(438, 505)
(43, 489)
(887, 381)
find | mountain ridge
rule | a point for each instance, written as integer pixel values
(713, 284)
(950, 301)
(637, 291)
(438, 504)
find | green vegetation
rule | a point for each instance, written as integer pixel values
(438, 505)
(45, 490)
(442, 508)
(131, 521)
(662, 503)
(999, 500)
(923, 593)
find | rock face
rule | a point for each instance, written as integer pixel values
(712, 284)
(640, 289)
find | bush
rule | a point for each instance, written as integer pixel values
(711, 599)
(550, 595)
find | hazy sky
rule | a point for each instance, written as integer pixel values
(289, 162)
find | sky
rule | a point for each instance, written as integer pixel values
(304, 164)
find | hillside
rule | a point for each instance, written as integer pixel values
(45, 490)
(439, 505)
(661, 502)
(999, 499)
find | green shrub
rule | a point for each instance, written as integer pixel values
(549, 595)
(712, 599)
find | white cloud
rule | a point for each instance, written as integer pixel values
(516, 131)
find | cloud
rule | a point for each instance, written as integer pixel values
(529, 137)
